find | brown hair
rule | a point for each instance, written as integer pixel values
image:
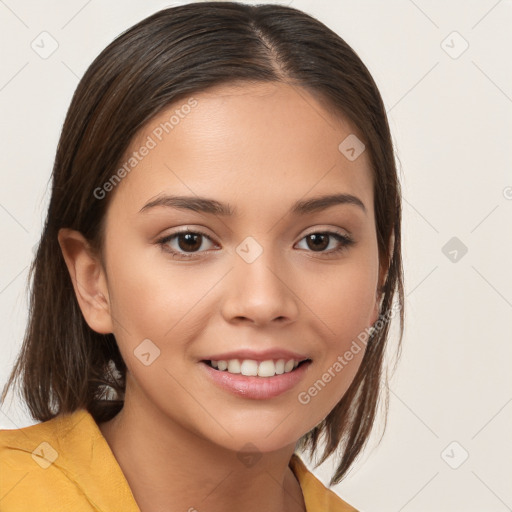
(64, 365)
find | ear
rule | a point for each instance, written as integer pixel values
(383, 275)
(88, 278)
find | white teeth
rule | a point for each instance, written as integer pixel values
(267, 369)
(234, 366)
(250, 367)
(288, 367)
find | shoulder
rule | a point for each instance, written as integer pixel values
(38, 445)
(35, 466)
(317, 497)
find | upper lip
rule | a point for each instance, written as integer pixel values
(263, 355)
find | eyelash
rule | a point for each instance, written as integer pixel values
(345, 241)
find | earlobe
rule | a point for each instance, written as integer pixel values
(88, 278)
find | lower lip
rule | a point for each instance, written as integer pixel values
(256, 388)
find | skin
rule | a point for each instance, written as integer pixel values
(259, 148)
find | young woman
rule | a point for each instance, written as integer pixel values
(214, 284)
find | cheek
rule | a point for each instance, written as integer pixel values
(342, 299)
(342, 308)
(155, 298)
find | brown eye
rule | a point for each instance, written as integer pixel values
(320, 241)
(184, 243)
(189, 241)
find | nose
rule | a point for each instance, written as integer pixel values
(260, 292)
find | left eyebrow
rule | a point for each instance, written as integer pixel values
(211, 206)
(323, 202)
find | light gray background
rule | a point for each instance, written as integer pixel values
(451, 118)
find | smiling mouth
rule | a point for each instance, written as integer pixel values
(253, 368)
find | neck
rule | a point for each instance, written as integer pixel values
(164, 463)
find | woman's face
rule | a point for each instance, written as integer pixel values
(264, 283)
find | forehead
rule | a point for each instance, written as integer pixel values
(251, 144)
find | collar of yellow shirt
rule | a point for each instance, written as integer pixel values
(70, 454)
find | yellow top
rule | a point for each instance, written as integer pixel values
(65, 464)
